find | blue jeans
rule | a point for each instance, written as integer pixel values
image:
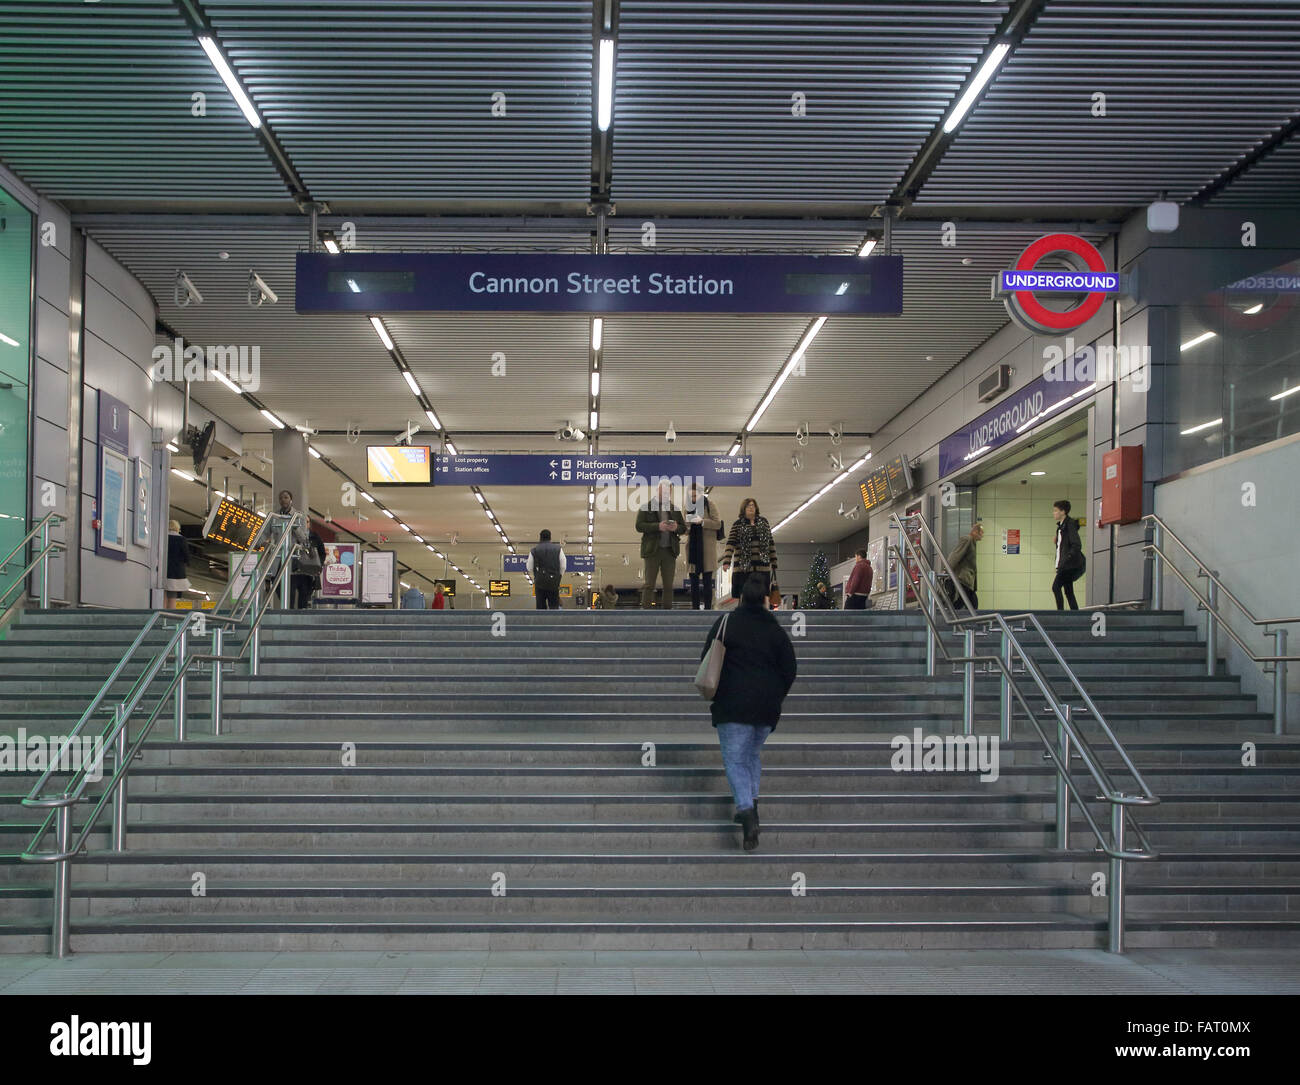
(742, 743)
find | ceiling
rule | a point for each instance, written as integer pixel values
(763, 127)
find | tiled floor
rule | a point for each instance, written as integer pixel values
(1224, 971)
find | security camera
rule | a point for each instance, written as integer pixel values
(837, 432)
(404, 437)
(671, 435)
(257, 285)
(185, 291)
(569, 432)
(802, 433)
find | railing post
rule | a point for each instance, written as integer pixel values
(1063, 754)
(1157, 571)
(180, 684)
(62, 887)
(45, 564)
(1117, 878)
(1279, 683)
(119, 796)
(968, 686)
(217, 636)
(1211, 623)
(929, 628)
(255, 637)
(1007, 701)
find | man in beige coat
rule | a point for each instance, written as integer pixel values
(704, 523)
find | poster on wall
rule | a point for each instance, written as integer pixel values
(912, 520)
(1011, 540)
(143, 490)
(113, 429)
(876, 555)
(338, 579)
(378, 578)
(113, 473)
(242, 566)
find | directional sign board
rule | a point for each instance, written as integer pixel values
(558, 469)
(539, 282)
(574, 563)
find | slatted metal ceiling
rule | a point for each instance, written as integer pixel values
(1191, 88)
(95, 105)
(703, 102)
(395, 100)
(1272, 182)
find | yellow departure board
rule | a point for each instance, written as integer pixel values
(448, 587)
(875, 488)
(499, 589)
(232, 524)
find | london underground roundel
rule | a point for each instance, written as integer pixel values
(1084, 274)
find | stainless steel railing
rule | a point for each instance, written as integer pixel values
(1069, 740)
(63, 803)
(42, 559)
(1215, 619)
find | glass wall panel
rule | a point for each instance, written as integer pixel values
(15, 374)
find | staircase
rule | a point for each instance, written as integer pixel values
(502, 794)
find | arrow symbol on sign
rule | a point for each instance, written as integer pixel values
(553, 463)
(552, 474)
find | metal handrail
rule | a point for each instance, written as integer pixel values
(61, 805)
(1214, 620)
(1068, 736)
(1152, 518)
(50, 519)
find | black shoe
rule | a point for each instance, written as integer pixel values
(757, 824)
(749, 822)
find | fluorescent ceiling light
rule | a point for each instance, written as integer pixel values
(11, 342)
(597, 333)
(452, 449)
(491, 515)
(593, 419)
(405, 584)
(480, 498)
(171, 447)
(388, 514)
(433, 418)
(985, 74)
(382, 332)
(595, 383)
(734, 449)
(591, 497)
(1288, 392)
(272, 419)
(402, 526)
(227, 382)
(1257, 307)
(367, 497)
(232, 84)
(1197, 341)
(867, 247)
(417, 538)
(184, 474)
(1038, 472)
(313, 451)
(786, 370)
(331, 246)
(430, 548)
(353, 284)
(1203, 425)
(605, 93)
(411, 381)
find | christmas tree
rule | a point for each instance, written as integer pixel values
(818, 573)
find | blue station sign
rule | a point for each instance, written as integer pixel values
(392, 282)
(574, 563)
(557, 469)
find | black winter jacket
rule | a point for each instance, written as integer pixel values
(758, 670)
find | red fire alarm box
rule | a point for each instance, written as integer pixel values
(1121, 485)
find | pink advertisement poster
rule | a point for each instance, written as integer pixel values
(338, 578)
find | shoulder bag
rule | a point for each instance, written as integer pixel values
(709, 673)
